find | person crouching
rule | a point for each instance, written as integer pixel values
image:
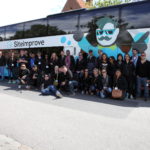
(107, 84)
(23, 75)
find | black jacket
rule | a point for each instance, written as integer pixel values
(143, 70)
(80, 65)
(85, 83)
(120, 83)
(97, 82)
(64, 77)
(91, 63)
(2, 61)
(46, 83)
(53, 63)
(111, 69)
(120, 65)
(103, 65)
(46, 66)
(22, 73)
(61, 61)
(39, 62)
(11, 63)
(72, 63)
(128, 69)
(109, 83)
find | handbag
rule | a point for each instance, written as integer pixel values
(56, 81)
(116, 93)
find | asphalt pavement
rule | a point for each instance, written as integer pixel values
(80, 122)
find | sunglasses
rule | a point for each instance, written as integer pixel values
(107, 32)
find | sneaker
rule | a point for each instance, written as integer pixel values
(14, 82)
(27, 87)
(9, 81)
(19, 86)
(131, 97)
(82, 92)
(73, 93)
(58, 94)
(145, 99)
(86, 92)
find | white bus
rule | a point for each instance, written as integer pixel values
(115, 29)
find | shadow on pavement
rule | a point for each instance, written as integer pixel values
(124, 103)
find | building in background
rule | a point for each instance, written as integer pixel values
(75, 4)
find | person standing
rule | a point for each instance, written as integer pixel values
(129, 74)
(2, 65)
(135, 57)
(31, 60)
(69, 61)
(91, 62)
(39, 61)
(53, 62)
(46, 64)
(62, 58)
(12, 66)
(143, 76)
(23, 59)
(120, 62)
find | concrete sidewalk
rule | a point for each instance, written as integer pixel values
(7, 143)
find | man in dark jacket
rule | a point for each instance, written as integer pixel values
(34, 78)
(91, 62)
(2, 65)
(143, 75)
(23, 75)
(96, 83)
(64, 78)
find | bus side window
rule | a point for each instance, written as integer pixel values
(136, 16)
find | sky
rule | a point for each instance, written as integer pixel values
(15, 11)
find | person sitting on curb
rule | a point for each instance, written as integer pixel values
(107, 85)
(47, 87)
(120, 83)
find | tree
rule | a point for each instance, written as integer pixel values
(105, 3)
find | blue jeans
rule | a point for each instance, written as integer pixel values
(2, 72)
(12, 74)
(142, 82)
(105, 92)
(50, 90)
(72, 85)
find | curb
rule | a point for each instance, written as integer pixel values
(7, 143)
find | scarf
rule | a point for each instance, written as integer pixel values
(68, 62)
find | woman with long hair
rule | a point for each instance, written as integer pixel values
(53, 62)
(129, 74)
(120, 83)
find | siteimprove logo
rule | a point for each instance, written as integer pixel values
(29, 43)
